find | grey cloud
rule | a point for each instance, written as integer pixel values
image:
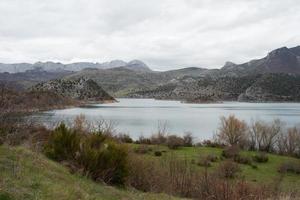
(165, 34)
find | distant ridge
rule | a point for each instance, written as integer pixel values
(49, 66)
(281, 60)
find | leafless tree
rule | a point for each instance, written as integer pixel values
(232, 131)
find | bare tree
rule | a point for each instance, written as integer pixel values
(288, 142)
(232, 131)
(188, 139)
(161, 135)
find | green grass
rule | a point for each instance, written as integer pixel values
(28, 175)
(266, 173)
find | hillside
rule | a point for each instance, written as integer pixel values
(281, 60)
(79, 89)
(28, 175)
(135, 79)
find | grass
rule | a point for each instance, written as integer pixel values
(28, 175)
(266, 173)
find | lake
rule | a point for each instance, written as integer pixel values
(142, 116)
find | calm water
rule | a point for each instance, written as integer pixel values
(141, 116)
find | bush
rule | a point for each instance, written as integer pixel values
(243, 159)
(292, 167)
(103, 159)
(157, 153)
(95, 154)
(125, 138)
(63, 144)
(188, 139)
(228, 169)
(203, 162)
(231, 151)
(209, 143)
(261, 157)
(174, 142)
(143, 140)
(212, 157)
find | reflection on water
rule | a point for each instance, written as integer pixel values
(141, 116)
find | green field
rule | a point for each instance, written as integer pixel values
(28, 175)
(266, 173)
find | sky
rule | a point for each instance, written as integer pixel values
(165, 34)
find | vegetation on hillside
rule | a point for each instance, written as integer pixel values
(166, 163)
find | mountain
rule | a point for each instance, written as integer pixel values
(122, 81)
(135, 79)
(282, 60)
(273, 87)
(49, 66)
(24, 80)
(80, 89)
(252, 88)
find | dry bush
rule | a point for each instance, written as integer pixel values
(171, 175)
(124, 138)
(232, 131)
(247, 160)
(143, 140)
(231, 151)
(292, 167)
(261, 157)
(174, 142)
(210, 143)
(228, 169)
(158, 153)
(161, 136)
(188, 139)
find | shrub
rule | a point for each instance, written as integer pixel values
(187, 139)
(203, 162)
(261, 157)
(292, 167)
(228, 169)
(231, 151)
(157, 153)
(174, 142)
(63, 144)
(209, 143)
(212, 157)
(103, 159)
(254, 166)
(95, 154)
(243, 159)
(125, 138)
(143, 140)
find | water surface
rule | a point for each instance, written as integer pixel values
(141, 116)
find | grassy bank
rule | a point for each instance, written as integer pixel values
(28, 175)
(264, 173)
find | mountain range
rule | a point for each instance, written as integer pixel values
(50, 66)
(274, 77)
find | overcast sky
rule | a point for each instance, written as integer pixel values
(165, 34)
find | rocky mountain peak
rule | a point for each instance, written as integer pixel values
(137, 65)
(229, 65)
